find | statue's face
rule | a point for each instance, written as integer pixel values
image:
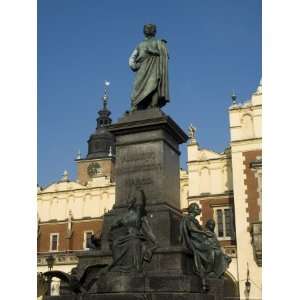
(149, 30)
(211, 225)
(195, 209)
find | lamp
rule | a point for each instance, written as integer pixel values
(248, 283)
(50, 261)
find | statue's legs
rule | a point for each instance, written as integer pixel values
(154, 99)
(150, 101)
(200, 271)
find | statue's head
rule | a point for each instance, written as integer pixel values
(210, 225)
(149, 30)
(138, 201)
(194, 209)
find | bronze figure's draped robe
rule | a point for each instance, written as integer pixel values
(220, 261)
(194, 238)
(132, 239)
(209, 260)
(150, 62)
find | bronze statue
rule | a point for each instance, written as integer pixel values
(150, 62)
(132, 239)
(220, 261)
(209, 260)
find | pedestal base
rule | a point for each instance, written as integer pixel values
(152, 296)
(118, 286)
(138, 296)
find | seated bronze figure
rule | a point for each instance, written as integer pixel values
(131, 237)
(209, 259)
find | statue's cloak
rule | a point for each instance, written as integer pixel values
(194, 239)
(151, 64)
(208, 257)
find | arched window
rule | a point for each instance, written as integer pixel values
(247, 126)
(204, 180)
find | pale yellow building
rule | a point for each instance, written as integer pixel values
(246, 151)
(71, 211)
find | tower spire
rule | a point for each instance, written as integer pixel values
(106, 95)
(101, 140)
(104, 120)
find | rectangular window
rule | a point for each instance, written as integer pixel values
(220, 223)
(224, 222)
(86, 238)
(54, 240)
(228, 222)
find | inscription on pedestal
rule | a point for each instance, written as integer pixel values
(137, 162)
(138, 181)
(138, 167)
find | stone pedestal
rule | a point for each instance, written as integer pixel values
(147, 157)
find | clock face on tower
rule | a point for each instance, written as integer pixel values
(93, 169)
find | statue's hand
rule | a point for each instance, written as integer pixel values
(135, 66)
(209, 234)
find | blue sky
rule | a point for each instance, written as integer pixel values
(214, 46)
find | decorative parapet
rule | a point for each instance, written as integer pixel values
(60, 258)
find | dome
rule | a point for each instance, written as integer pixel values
(102, 142)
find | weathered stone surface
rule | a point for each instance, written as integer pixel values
(62, 297)
(147, 155)
(156, 296)
(154, 282)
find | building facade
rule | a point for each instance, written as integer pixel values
(69, 212)
(228, 187)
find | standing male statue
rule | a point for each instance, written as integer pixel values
(150, 62)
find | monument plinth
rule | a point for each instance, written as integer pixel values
(147, 158)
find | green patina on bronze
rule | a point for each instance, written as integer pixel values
(150, 62)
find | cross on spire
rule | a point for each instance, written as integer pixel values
(106, 95)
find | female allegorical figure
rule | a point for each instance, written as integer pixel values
(132, 240)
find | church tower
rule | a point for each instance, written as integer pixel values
(100, 159)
